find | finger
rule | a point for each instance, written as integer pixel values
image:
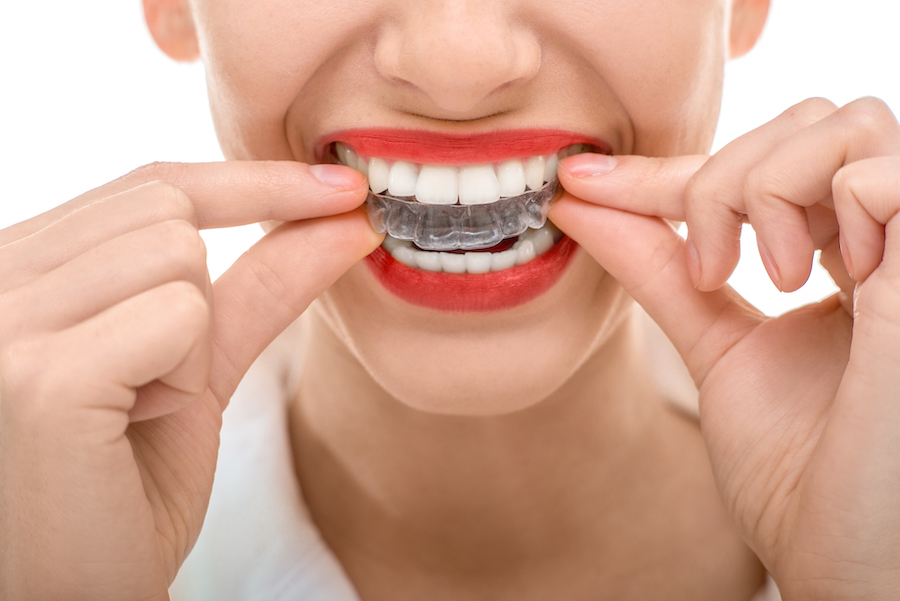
(230, 193)
(866, 197)
(100, 362)
(799, 173)
(274, 282)
(646, 256)
(646, 185)
(833, 263)
(108, 274)
(715, 204)
(90, 226)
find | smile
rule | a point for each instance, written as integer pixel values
(465, 219)
(467, 207)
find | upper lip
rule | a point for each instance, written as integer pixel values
(443, 148)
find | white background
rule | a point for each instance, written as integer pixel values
(85, 97)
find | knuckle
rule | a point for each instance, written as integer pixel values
(172, 201)
(811, 110)
(840, 181)
(870, 115)
(181, 245)
(185, 302)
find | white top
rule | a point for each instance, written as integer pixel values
(258, 541)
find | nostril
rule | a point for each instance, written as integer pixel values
(457, 65)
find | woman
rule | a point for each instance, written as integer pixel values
(481, 434)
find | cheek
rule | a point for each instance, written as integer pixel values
(259, 56)
(486, 364)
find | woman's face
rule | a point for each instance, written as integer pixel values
(289, 77)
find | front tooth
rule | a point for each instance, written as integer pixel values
(402, 179)
(511, 177)
(429, 261)
(453, 263)
(503, 260)
(437, 185)
(551, 162)
(379, 174)
(478, 185)
(478, 262)
(534, 173)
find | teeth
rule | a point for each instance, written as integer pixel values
(478, 262)
(453, 263)
(551, 162)
(427, 261)
(525, 251)
(405, 254)
(511, 176)
(531, 244)
(468, 184)
(437, 185)
(379, 174)
(542, 240)
(346, 155)
(402, 179)
(478, 185)
(504, 260)
(534, 173)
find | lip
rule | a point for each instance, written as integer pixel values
(445, 148)
(466, 293)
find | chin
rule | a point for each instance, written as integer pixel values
(473, 363)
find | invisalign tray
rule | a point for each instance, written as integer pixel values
(466, 227)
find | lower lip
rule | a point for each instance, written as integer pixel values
(468, 293)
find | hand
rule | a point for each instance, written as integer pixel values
(800, 413)
(117, 358)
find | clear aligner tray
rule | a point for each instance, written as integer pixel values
(466, 227)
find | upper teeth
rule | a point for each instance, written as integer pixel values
(447, 184)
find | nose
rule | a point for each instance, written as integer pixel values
(458, 52)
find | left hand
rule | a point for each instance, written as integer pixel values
(800, 413)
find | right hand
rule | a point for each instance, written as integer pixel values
(118, 356)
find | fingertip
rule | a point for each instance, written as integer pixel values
(338, 177)
(692, 256)
(586, 165)
(770, 264)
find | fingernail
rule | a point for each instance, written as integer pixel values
(695, 270)
(337, 176)
(770, 265)
(588, 165)
(845, 254)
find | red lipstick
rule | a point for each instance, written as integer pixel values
(466, 293)
(442, 148)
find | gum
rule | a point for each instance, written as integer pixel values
(465, 227)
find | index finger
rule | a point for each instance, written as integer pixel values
(652, 186)
(232, 193)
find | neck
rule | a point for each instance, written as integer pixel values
(374, 469)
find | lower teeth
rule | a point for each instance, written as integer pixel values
(530, 245)
(466, 227)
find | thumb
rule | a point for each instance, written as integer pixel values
(647, 257)
(271, 284)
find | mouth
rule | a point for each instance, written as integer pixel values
(464, 217)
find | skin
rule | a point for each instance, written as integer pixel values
(587, 481)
